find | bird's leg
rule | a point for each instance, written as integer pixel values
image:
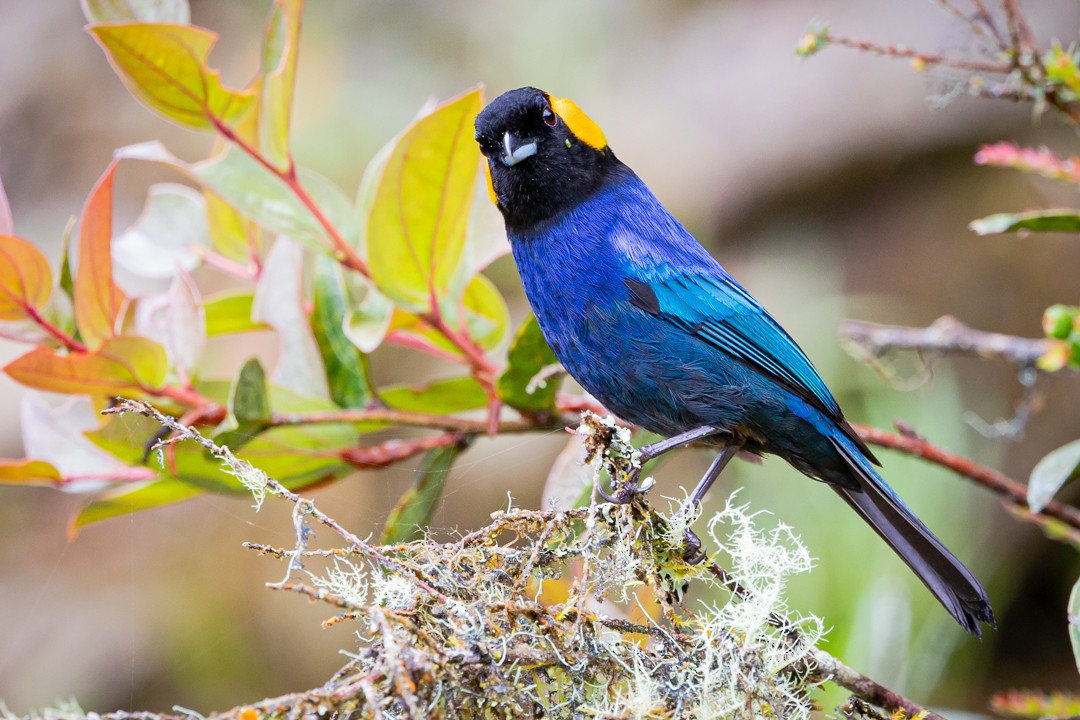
(656, 449)
(693, 553)
(630, 486)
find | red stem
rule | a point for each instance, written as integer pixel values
(345, 252)
(66, 340)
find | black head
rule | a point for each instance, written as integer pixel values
(544, 156)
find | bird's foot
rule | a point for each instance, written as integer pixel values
(627, 490)
(693, 553)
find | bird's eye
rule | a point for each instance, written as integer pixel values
(550, 118)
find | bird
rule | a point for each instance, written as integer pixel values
(648, 322)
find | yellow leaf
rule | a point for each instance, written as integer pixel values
(25, 278)
(121, 365)
(279, 68)
(28, 472)
(417, 222)
(165, 66)
(98, 299)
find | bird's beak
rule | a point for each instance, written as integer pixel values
(514, 155)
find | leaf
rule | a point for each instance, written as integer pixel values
(7, 223)
(25, 278)
(232, 235)
(165, 66)
(176, 320)
(346, 367)
(1074, 626)
(115, 11)
(98, 300)
(170, 235)
(230, 312)
(1051, 474)
(529, 354)
(414, 510)
(1065, 221)
(121, 365)
(259, 194)
(249, 410)
(416, 227)
(294, 456)
(279, 71)
(279, 302)
(368, 317)
(440, 397)
(28, 472)
(53, 428)
(129, 499)
(249, 401)
(486, 315)
(569, 480)
(267, 199)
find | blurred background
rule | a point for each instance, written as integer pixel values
(838, 186)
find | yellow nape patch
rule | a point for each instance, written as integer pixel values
(490, 183)
(579, 123)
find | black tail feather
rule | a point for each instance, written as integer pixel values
(946, 577)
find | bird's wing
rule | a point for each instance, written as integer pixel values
(720, 312)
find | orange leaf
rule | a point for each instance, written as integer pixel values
(121, 365)
(25, 278)
(98, 300)
(28, 472)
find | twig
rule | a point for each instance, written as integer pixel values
(946, 335)
(827, 667)
(830, 668)
(305, 507)
(1013, 493)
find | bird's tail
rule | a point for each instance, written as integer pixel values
(951, 583)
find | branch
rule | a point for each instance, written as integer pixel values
(947, 336)
(1013, 493)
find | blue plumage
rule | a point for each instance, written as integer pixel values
(650, 324)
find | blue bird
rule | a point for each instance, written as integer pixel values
(649, 323)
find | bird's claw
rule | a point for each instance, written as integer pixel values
(627, 490)
(693, 554)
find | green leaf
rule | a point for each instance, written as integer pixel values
(295, 456)
(1052, 473)
(248, 407)
(261, 195)
(132, 498)
(1065, 221)
(165, 66)
(529, 354)
(230, 312)
(417, 225)
(346, 367)
(414, 510)
(441, 397)
(122, 11)
(279, 71)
